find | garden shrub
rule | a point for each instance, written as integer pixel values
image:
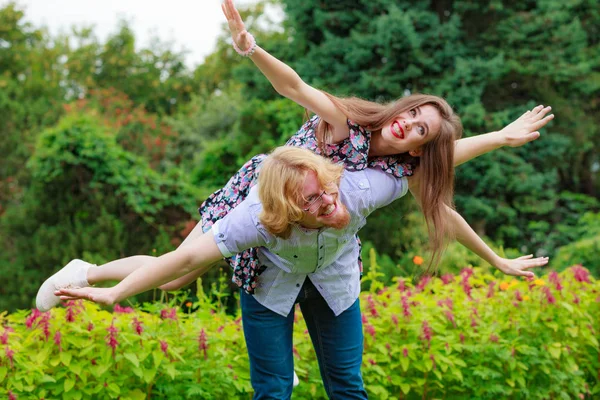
(469, 335)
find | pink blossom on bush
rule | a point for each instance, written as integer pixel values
(405, 352)
(518, 296)
(549, 296)
(490, 292)
(401, 285)
(58, 340)
(4, 337)
(30, 320)
(432, 357)
(137, 326)
(123, 310)
(462, 338)
(296, 353)
(169, 313)
(576, 299)
(371, 306)
(372, 362)
(405, 307)
(164, 347)
(555, 280)
(581, 274)
(447, 278)
(423, 282)
(90, 327)
(45, 324)
(427, 332)
(450, 317)
(494, 338)
(112, 341)
(395, 319)
(11, 396)
(202, 343)
(370, 329)
(10, 354)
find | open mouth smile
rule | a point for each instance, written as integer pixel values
(397, 130)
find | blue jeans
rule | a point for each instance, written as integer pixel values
(338, 342)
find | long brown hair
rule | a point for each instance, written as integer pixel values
(280, 184)
(436, 164)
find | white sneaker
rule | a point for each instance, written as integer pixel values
(73, 275)
(296, 380)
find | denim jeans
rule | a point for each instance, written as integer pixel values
(338, 343)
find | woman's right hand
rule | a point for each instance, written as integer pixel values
(238, 31)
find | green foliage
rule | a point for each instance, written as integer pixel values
(87, 194)
(461, 337)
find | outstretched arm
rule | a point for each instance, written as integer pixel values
(284, 79)
(200, 254)
(468, 238)
(521, 131)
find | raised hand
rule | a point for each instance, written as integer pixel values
(238, 32)
(519, 266)
(525, 129)
(103, 296)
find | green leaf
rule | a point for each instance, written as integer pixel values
(405, 387)
(404, 361)
(65, 357)
(68, 384)
(132, 358)
(114, 388)
(149, 375)
(3, 371)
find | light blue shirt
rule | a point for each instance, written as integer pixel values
(327, 256)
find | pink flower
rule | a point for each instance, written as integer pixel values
(58, 341)
(112, 337)
(450, 317)
(581, 274)
(364, 319)
(137, 326)
(10, 354)
(30, 320)
(462, 338)
(431, 356)
(494, 338)
(576, 299)
(405, 352)
(549, 296)
(372, 362)
(90, 327)
(4, 337)
(11, 396)
(370, 330)
(401, 285)
(295, 351)
(395, 319)
(427, 332)
(490, 292)
(405, 307)
(371, 306)
(202, 343)
(447, 278)
(164, 347)
(45, 324)
(555, 279)
(169, 313)
(518, 295)
(423, 282)
(123, 310)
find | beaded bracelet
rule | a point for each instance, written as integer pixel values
(251, 49)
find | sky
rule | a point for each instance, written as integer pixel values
(190, 24)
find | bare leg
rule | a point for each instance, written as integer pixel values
(117, 270)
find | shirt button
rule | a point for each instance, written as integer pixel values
(221, 235)
(297, 285)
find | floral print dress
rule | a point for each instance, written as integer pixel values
(352, 152)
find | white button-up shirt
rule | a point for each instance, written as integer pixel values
(327, 256)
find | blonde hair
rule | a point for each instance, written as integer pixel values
(280, 185)
(436, 164)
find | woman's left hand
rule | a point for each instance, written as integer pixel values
(525, 128)
(236, 25)
(103, 296)
(519, 266)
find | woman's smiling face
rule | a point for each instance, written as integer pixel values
(412, 129)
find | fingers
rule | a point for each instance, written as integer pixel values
(539, 124)
(525, 257)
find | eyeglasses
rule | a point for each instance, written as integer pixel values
(314, 205)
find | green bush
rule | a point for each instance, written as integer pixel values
(464, 336)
